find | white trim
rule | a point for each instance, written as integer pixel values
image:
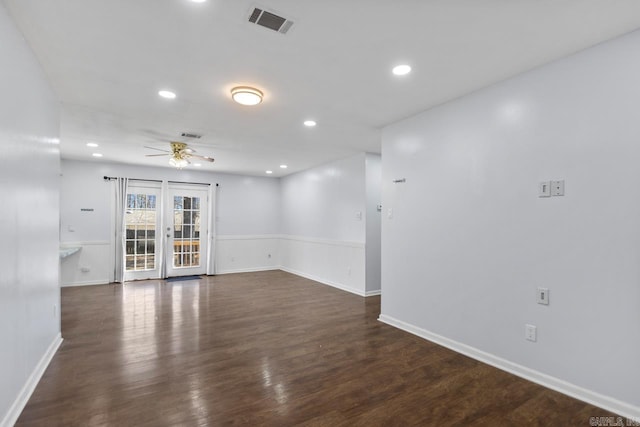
(248, 270)
(323, 241)
(324, 282)
(248, 236)
(27, 390)
(90, 243)
(373, 293)
(605, 402)
(87, 283)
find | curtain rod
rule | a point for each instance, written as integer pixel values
(111, 178)
(195, 183)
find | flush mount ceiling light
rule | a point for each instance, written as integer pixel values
(92, 144)
(401, 70)
(268, 172)
(310, 123)
(97, 155)
(167, 94)
(246, 95)
(283, 166)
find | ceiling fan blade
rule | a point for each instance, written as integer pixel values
(156, 155)
(207, 158)
(158, 149)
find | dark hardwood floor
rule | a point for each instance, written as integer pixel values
(268, 349)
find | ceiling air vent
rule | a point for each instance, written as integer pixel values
(270, 20)
(191, 135)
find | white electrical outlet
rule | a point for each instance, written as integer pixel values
(85, 269)
(542, 296)
(359, 216)
(557, 188)
(530, 333)
(390, 213)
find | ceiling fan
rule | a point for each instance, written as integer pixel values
(180, 154)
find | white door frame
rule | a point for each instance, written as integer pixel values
(132, 237)
(196, 248)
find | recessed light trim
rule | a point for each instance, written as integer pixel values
(167, 94)
(246, 95)
(283, 166)
(310, 123)
(97, 154)
(198, 1)
(268, 172)
(92, 144)
(197, 165)
(401, 70)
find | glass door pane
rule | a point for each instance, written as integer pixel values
(141, 233)
(188, 233)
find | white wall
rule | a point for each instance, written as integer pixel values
(373, 176)
(322, 202)
(29, 189)
(323, 218)
(248, 209)
(470, 240)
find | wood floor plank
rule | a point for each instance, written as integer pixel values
(271, 349)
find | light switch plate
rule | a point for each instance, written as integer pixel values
(544, 189)
(542, 296)
(557, 188)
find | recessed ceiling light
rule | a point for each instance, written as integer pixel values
(246, 95)
(198, 1)
(401, 70)
(197, 165)
(92, 144)
(268, 172)
(310, 123)
(167, 94)
(97, 155)
(283, 166)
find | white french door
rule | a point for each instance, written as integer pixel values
(142, 231)
(187, 231)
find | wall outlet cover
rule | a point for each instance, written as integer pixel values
(557, 188)
(530, 333)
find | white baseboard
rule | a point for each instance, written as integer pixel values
(324, 282)
(87, 283)
(247, 270)
(605, 402)
(373, 293)
(27, 390)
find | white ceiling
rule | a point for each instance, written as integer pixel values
(107, 59)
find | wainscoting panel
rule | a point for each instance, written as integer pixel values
(238, 254)
(335, 263)
(91, 265)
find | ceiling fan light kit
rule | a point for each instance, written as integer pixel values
(246, 95)
(180, 154)
(178, 163)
